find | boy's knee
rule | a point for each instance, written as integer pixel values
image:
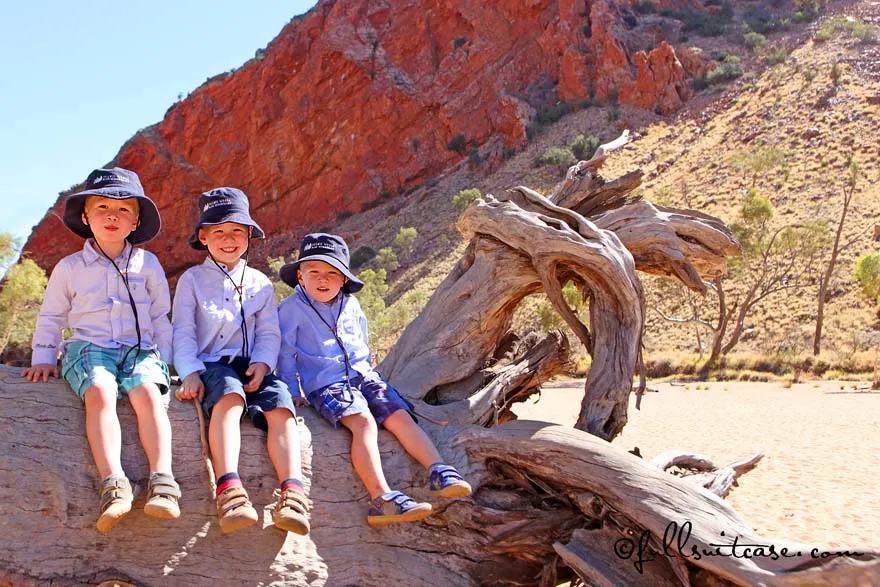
(358, 422)
(149, 391)
(278, 417)
(228, 402)
(100, 396)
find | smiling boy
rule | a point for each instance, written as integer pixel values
(226, 341)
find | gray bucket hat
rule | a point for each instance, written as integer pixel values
(119, 184)
(328, 248)
(224, 205)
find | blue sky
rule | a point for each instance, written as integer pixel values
(77, 79)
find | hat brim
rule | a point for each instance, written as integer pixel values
(149, 220)
(238, 218)
(288, 273)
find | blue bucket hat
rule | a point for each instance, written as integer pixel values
(224, 205)
(328, 248)
(119, 184)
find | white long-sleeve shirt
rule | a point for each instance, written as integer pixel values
(87, 294)
(207, 317)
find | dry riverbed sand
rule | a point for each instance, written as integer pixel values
(818, 481)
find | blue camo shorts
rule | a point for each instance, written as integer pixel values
(370, 393)
(85, 364)
(228, 376)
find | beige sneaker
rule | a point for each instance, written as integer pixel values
(235, 510)
(116, 498)
(162, 497)
(290, 512)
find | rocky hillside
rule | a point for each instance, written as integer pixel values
(817, 103)
(360, 101)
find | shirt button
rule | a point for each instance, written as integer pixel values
(221, 336)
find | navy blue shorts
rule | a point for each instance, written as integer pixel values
(222, 377)
(363, 394)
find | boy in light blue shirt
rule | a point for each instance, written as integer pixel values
(324, 344)
(115, 298)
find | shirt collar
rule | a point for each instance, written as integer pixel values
(213, 264)
(304, 295)
(91, 253)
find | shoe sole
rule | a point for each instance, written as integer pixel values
(413, 515)
(294, 526)
(161, 511)
(106, 523)
(236, 524)
(454, 490)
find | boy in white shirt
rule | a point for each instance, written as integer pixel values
(226, 342)
(114, 296)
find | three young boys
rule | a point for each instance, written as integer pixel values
(226, 342)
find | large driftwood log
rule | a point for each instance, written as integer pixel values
(551, 503)
(526, 244)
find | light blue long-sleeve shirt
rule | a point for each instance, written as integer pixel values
(308, 347)
(85, 293)
(207, 317)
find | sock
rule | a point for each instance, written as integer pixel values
(119, 476)
(292, 483)
(228, 480)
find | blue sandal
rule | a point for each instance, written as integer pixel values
(399, 508)
(445, 481)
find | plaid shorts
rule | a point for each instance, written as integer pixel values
(85, 364)
(364, 394)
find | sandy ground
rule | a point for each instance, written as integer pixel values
(818, 481)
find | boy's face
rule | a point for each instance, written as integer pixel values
(111, 220)
(321, 280)
(226, 242)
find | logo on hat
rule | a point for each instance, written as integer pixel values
(319, 245)
(214, 203)
(103, 178)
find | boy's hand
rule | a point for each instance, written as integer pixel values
(191, 387)
(300, 401)
(37, 372)
(256, 371)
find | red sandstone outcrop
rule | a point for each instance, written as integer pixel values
(360, 99)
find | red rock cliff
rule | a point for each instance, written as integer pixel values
(360, 99)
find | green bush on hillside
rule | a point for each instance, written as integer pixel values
(728, 70)
(387, 259)
(20, 299)
(754, 41)
(557, 156)
(867, 273)
(463, 199)
(583, 147)
(406, 239)
(776, 55)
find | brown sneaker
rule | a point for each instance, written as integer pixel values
(290, 512)
(116, 498)
(162, 497)
(235, 510)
